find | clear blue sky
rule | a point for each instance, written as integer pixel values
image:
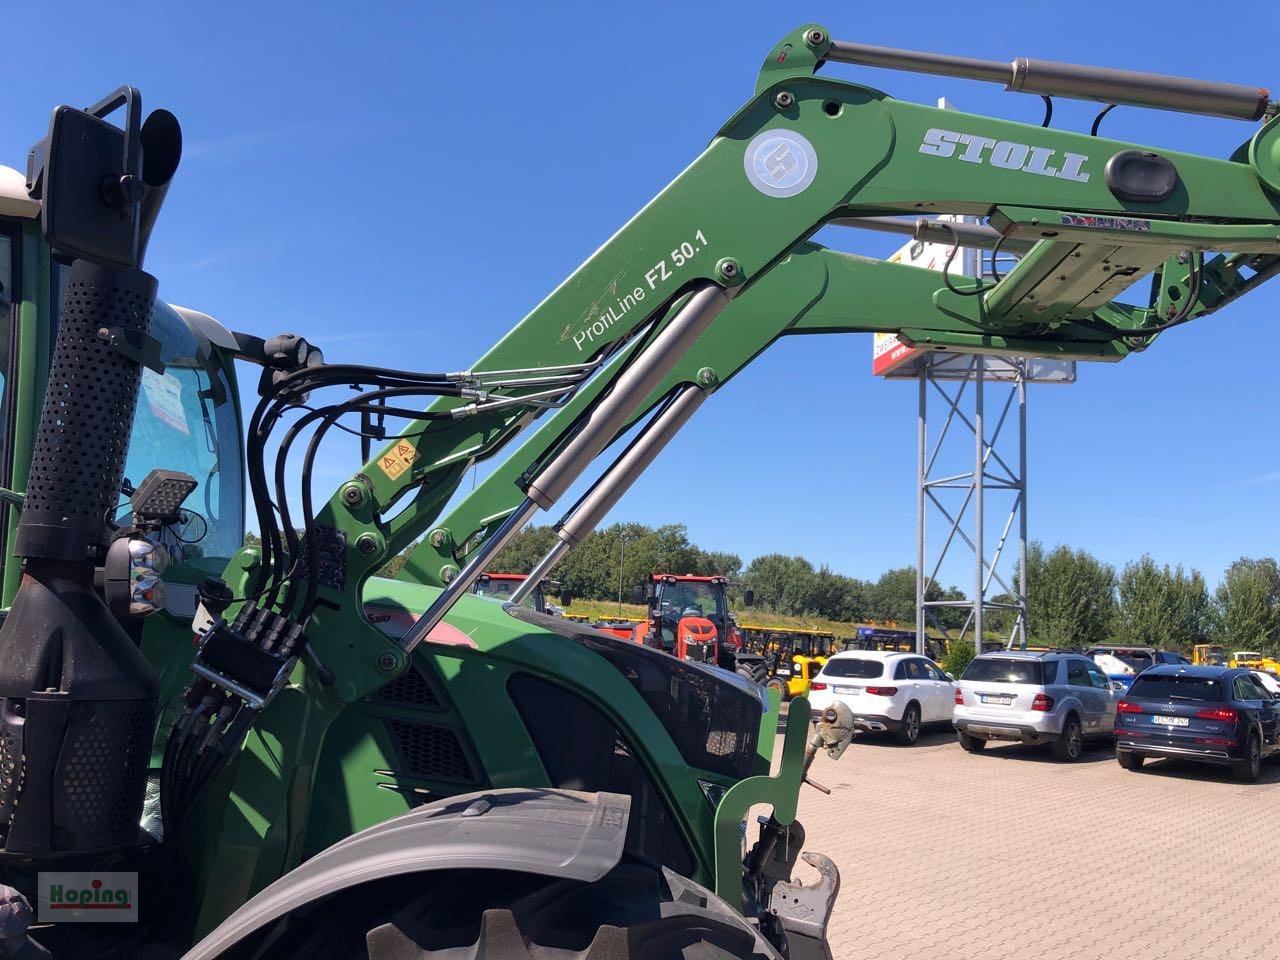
(403, 181)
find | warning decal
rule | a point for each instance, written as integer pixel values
(398, 459)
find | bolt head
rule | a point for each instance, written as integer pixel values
(367, 543)
(437, 538)
(447, 573)
(386, 662)
(784, 99)
(352, 496)
(815, 38)
(706, 376)
(729, 270)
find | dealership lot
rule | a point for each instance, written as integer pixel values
(1010, 854)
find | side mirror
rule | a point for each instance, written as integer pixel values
(637, 593)
(951, 677)
(101, 186)
(1118, 687)
(566, 597)
(748, 598)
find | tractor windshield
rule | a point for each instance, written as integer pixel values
(187, 420)
(689, 598)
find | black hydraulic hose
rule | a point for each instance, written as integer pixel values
(976, 291)
(331, 413)
(256, 470)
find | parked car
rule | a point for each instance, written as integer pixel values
(1123, 663)
(1270, 681)
(895, 692)
(1039, 697)
(1216, 715)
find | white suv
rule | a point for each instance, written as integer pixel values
(1050, 698)
(894, 692)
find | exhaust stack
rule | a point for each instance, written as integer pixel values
(77, 698)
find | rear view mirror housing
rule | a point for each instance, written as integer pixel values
(566, 597)
(748, 598)
(638, 593)
(100, 185)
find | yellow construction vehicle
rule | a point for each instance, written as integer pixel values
(1209, 655)
(1252, 660)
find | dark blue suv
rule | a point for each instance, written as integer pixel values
(1210, 714)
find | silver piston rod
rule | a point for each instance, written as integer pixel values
(599, 427)
(977, 235)
(1073, 81)
(614, 482)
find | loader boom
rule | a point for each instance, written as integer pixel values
(1082, 209)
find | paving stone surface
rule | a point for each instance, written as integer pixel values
(1008, 854)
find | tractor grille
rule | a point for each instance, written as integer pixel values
(410, 689)
(430, 752)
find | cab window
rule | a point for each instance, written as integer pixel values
(186, 420)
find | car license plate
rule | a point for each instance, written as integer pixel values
(1172, 721)
(996, 700)
(848, 689)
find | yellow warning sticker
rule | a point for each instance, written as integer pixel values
(398, 459)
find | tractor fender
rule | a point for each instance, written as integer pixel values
(555, 833)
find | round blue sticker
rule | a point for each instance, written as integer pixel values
(780, 163)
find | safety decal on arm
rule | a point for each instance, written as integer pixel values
(398, 459)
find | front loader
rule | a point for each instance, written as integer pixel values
(468, 779)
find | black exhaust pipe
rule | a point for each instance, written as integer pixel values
(77, 698)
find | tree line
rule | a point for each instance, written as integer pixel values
(1074, 598)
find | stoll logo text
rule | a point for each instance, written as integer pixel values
(1005, 154)
(88, 898)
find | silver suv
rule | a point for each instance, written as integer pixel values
(1059, 699)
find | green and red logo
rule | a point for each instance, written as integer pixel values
(88, 897)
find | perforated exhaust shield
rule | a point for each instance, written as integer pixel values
(77, 698)
(78, 462)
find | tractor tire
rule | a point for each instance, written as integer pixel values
(756, 673)
(781, 687)
(635, 912)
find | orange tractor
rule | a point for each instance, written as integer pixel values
(689, 618)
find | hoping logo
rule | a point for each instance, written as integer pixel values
(780, 163)
(88, 897)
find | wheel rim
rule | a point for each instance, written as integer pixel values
(913, 725)
(1074, 741)
(1255, 757)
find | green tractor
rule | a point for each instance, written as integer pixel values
(267, 752)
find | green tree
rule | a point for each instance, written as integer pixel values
(782, 584)
(1162, 606)
(1071, 599)
(893, 596)
(1248, 605)
(958, 657)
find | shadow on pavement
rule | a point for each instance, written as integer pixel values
(1207, 772)
(1095, 751)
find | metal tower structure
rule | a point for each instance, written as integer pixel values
(971, 476)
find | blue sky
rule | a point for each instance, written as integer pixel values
(403, 181)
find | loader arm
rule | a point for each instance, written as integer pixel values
(864, 154)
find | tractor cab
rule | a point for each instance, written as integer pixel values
(504, 586)
(689, 617)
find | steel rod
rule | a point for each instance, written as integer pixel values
(610, 414)
(1073, 81)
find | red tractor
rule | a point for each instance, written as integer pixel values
(689, 618)
(502, 586)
